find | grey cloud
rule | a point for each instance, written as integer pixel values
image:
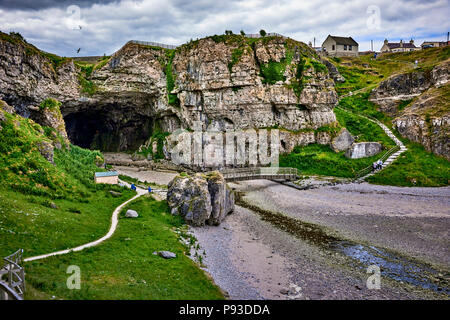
(107, 25)
(44, 4)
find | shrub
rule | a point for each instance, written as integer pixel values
(50, 104)
(262, 33)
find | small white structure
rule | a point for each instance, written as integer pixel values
(109, 177)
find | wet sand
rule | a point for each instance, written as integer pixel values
(251, 259)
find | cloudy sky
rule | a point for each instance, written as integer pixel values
(103, 26)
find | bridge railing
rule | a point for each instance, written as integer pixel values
(261, 173)
(13, 287)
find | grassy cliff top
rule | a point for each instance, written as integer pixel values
(30, 50)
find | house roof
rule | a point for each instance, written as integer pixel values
(344, 40)
(395, 45)
(106, 174)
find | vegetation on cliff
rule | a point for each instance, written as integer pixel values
(47, 207)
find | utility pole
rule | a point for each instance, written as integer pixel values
(314, 42)
(371, 44)
(448, 34)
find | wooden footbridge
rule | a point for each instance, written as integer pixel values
(268, 173)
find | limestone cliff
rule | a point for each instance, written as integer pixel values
(227, 82)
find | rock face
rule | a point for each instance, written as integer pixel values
(408, 86)
(225, 82)
(131, 214)
(200, 199)
(342, 141)
(425, 119)
(236, 96)
(363, 150)
(47, 150)
(334, 72)
(167, 254)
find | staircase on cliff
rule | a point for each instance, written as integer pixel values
(388, 157)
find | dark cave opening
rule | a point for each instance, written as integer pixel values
(107, 132)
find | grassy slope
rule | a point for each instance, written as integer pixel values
(125, 268)
(29, 185)
(315, 159)
(416, 167)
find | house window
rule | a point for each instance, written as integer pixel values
(349, 48)
(332, 47)
(345, 47)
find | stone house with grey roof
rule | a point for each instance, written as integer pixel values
(340, 46)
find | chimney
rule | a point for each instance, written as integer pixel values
(386, 41)
(401, 43)
(411, 41)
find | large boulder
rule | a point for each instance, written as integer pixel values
(363, 150)
(131, 214)
(200, 199)
(342, 141)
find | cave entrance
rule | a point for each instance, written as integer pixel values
(106, 132)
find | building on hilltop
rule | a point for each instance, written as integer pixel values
(434, 44)
(398, 46)
(340, 46)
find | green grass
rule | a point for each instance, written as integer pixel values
(317, 159)
(366, 72)
(273, 71)
(138, 182)
(360, 104)
(50, 104)
(236, 55)
(124, 267)
(46, 208)
(403, 104)
(28, 221)
(160, 138)
(364, 129)
(415, 167)
(172, 98)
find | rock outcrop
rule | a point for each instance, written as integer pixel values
(427, 121)
(342, 141)
(200, 199)
(334, 72)
(407, 86)
(363, 150)
(424, 115)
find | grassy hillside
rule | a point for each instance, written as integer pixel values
(47, 207)
(365, 72)
(125, 268)
(362, 74)
(416, 167)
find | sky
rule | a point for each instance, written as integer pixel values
(103, 26)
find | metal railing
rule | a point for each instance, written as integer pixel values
(257, 35)
(153, 44)
(369, 169)
(13, 287)
(269, 173)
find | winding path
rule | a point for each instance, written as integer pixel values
(112, 229)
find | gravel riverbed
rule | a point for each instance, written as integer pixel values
(251, 259)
